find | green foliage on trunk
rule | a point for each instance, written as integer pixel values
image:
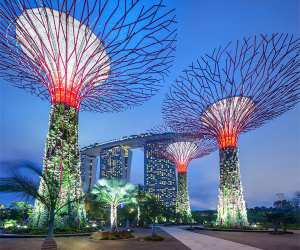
(231, 208)
(183, 208)
(63, 162)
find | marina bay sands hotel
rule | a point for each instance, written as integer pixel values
(112, 159)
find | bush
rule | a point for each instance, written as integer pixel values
(293, 226)
(38, 231)
(9, 223)
(16, 230)
(227, 228)
(154, 238)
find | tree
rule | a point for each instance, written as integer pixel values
(28, 186)
(140, 197)
(20, 211)
(283, 204)
(169, 213)
(288, 218)
(257, 214)
(114, 193)
(281, 218)
(275, 218)
(128, 214)
(4, 214)
(296, 199)
(152, 207)
(96, 210)
(205, 217)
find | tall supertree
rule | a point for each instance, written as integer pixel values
(182, 153)
(181, 149)
(91, 55)
(235, 89)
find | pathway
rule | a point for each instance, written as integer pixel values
(197, 241)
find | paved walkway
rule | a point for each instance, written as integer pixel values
(203, 242)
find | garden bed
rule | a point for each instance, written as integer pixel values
(107, 235)
(4, 235)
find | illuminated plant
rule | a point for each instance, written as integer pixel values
(182, 153)
(28, 184)
(92, 55)
(230, 91)
(114, 193)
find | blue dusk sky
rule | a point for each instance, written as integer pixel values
(269, 156)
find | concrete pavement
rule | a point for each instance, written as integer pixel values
(197, 241)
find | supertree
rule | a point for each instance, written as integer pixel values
(235, 89)
(182, 153)
(91, 55)
(181, 150)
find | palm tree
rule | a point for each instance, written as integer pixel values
(114, 193)
(28, 186)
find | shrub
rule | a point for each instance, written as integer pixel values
(10, 223)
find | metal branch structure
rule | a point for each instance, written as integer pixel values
(235, 89)
(182, 153)
(91, 55)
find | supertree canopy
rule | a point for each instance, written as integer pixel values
(233, 90)
(92, 55)
(182, 153)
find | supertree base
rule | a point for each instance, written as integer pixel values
(183, 209)
(62, 161)
(232, 210)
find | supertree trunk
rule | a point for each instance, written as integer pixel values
(183, 208)
(231, 208)
(62, 160)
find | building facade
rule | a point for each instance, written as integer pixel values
(115, 163)
(113, 160)
(89, 172)
(159, 175)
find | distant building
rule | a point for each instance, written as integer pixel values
(112, 159)
(89, 172)
(115, 162)
(159, 175)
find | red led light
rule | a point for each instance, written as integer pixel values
(181, 168)
(65, 96)
(227, 139)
